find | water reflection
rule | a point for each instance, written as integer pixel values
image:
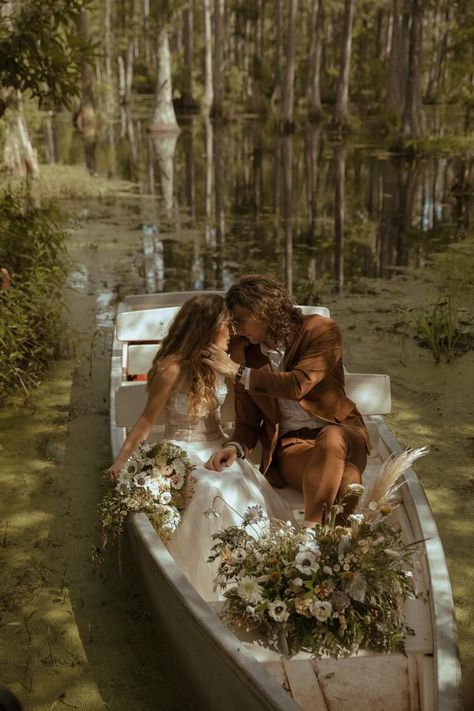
(222, 199)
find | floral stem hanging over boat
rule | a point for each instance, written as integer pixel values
(331, 590)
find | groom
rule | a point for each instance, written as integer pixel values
(289, 394)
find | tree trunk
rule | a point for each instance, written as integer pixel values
(286, 120)
(108, 58)
(19, 155)
(164, 117)
(208, 97)
(146, 31)
(208, 195)
(396, 64)
(339, 211)
(219, 168)
(164, 144)
(188, 99)
(276, 96)
(411, 119)
(314, 62)
(341, 110)
(88, 100)
(218, 69)
(129, 70)
(438, 59)
(288, 209)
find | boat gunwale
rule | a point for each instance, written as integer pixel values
(418, 509)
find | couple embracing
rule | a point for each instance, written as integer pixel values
(287, 372)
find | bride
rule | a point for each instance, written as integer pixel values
(191, 394)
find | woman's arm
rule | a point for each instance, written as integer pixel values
(160, 389)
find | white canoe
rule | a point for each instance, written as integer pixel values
(230, 672)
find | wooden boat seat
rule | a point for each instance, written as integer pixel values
(370, 392)
(150, 325)
(172, 298)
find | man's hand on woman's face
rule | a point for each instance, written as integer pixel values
(217, 359)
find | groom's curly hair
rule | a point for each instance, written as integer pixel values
(269, 302)
(192, 329)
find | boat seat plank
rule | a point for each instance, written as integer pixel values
(418, 617)
(156, 301)
(275, 669)
(304, 685)
(367, 682)
(144, 325)
(131, 398)
(151, 324)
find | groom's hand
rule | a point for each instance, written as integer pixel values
(224, 457)
(219, 360)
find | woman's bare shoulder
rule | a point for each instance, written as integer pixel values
(168, 372)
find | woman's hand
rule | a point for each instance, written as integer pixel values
(112, 472)
(217, 359)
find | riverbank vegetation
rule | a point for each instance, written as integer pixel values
(32, 250)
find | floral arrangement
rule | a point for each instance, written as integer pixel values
(329, 590)
(156, 481)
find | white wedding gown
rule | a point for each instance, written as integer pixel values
(228, 492)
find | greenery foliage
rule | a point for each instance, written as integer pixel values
(41, 50)
(32, 249)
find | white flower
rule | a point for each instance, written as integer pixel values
(165, 497)
(327, 570)
(373, 505)
(130, 469)
(253, 513)
(356, 518)
(277, 610)
(139, 480)
(249, 590)
(306, 563)
(239, 555)
(212, 513)
(310, 547)
(321, 610)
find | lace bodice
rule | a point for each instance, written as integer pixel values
(203, 428)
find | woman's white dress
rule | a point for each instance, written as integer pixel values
(228, 492)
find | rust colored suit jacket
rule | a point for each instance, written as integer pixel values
(312, 374)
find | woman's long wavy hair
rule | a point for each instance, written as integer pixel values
(192, 329)
(269, 302)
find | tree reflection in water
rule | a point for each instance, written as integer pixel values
(237, 197)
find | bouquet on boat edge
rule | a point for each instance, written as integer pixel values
(156, 481)
(330, 590)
